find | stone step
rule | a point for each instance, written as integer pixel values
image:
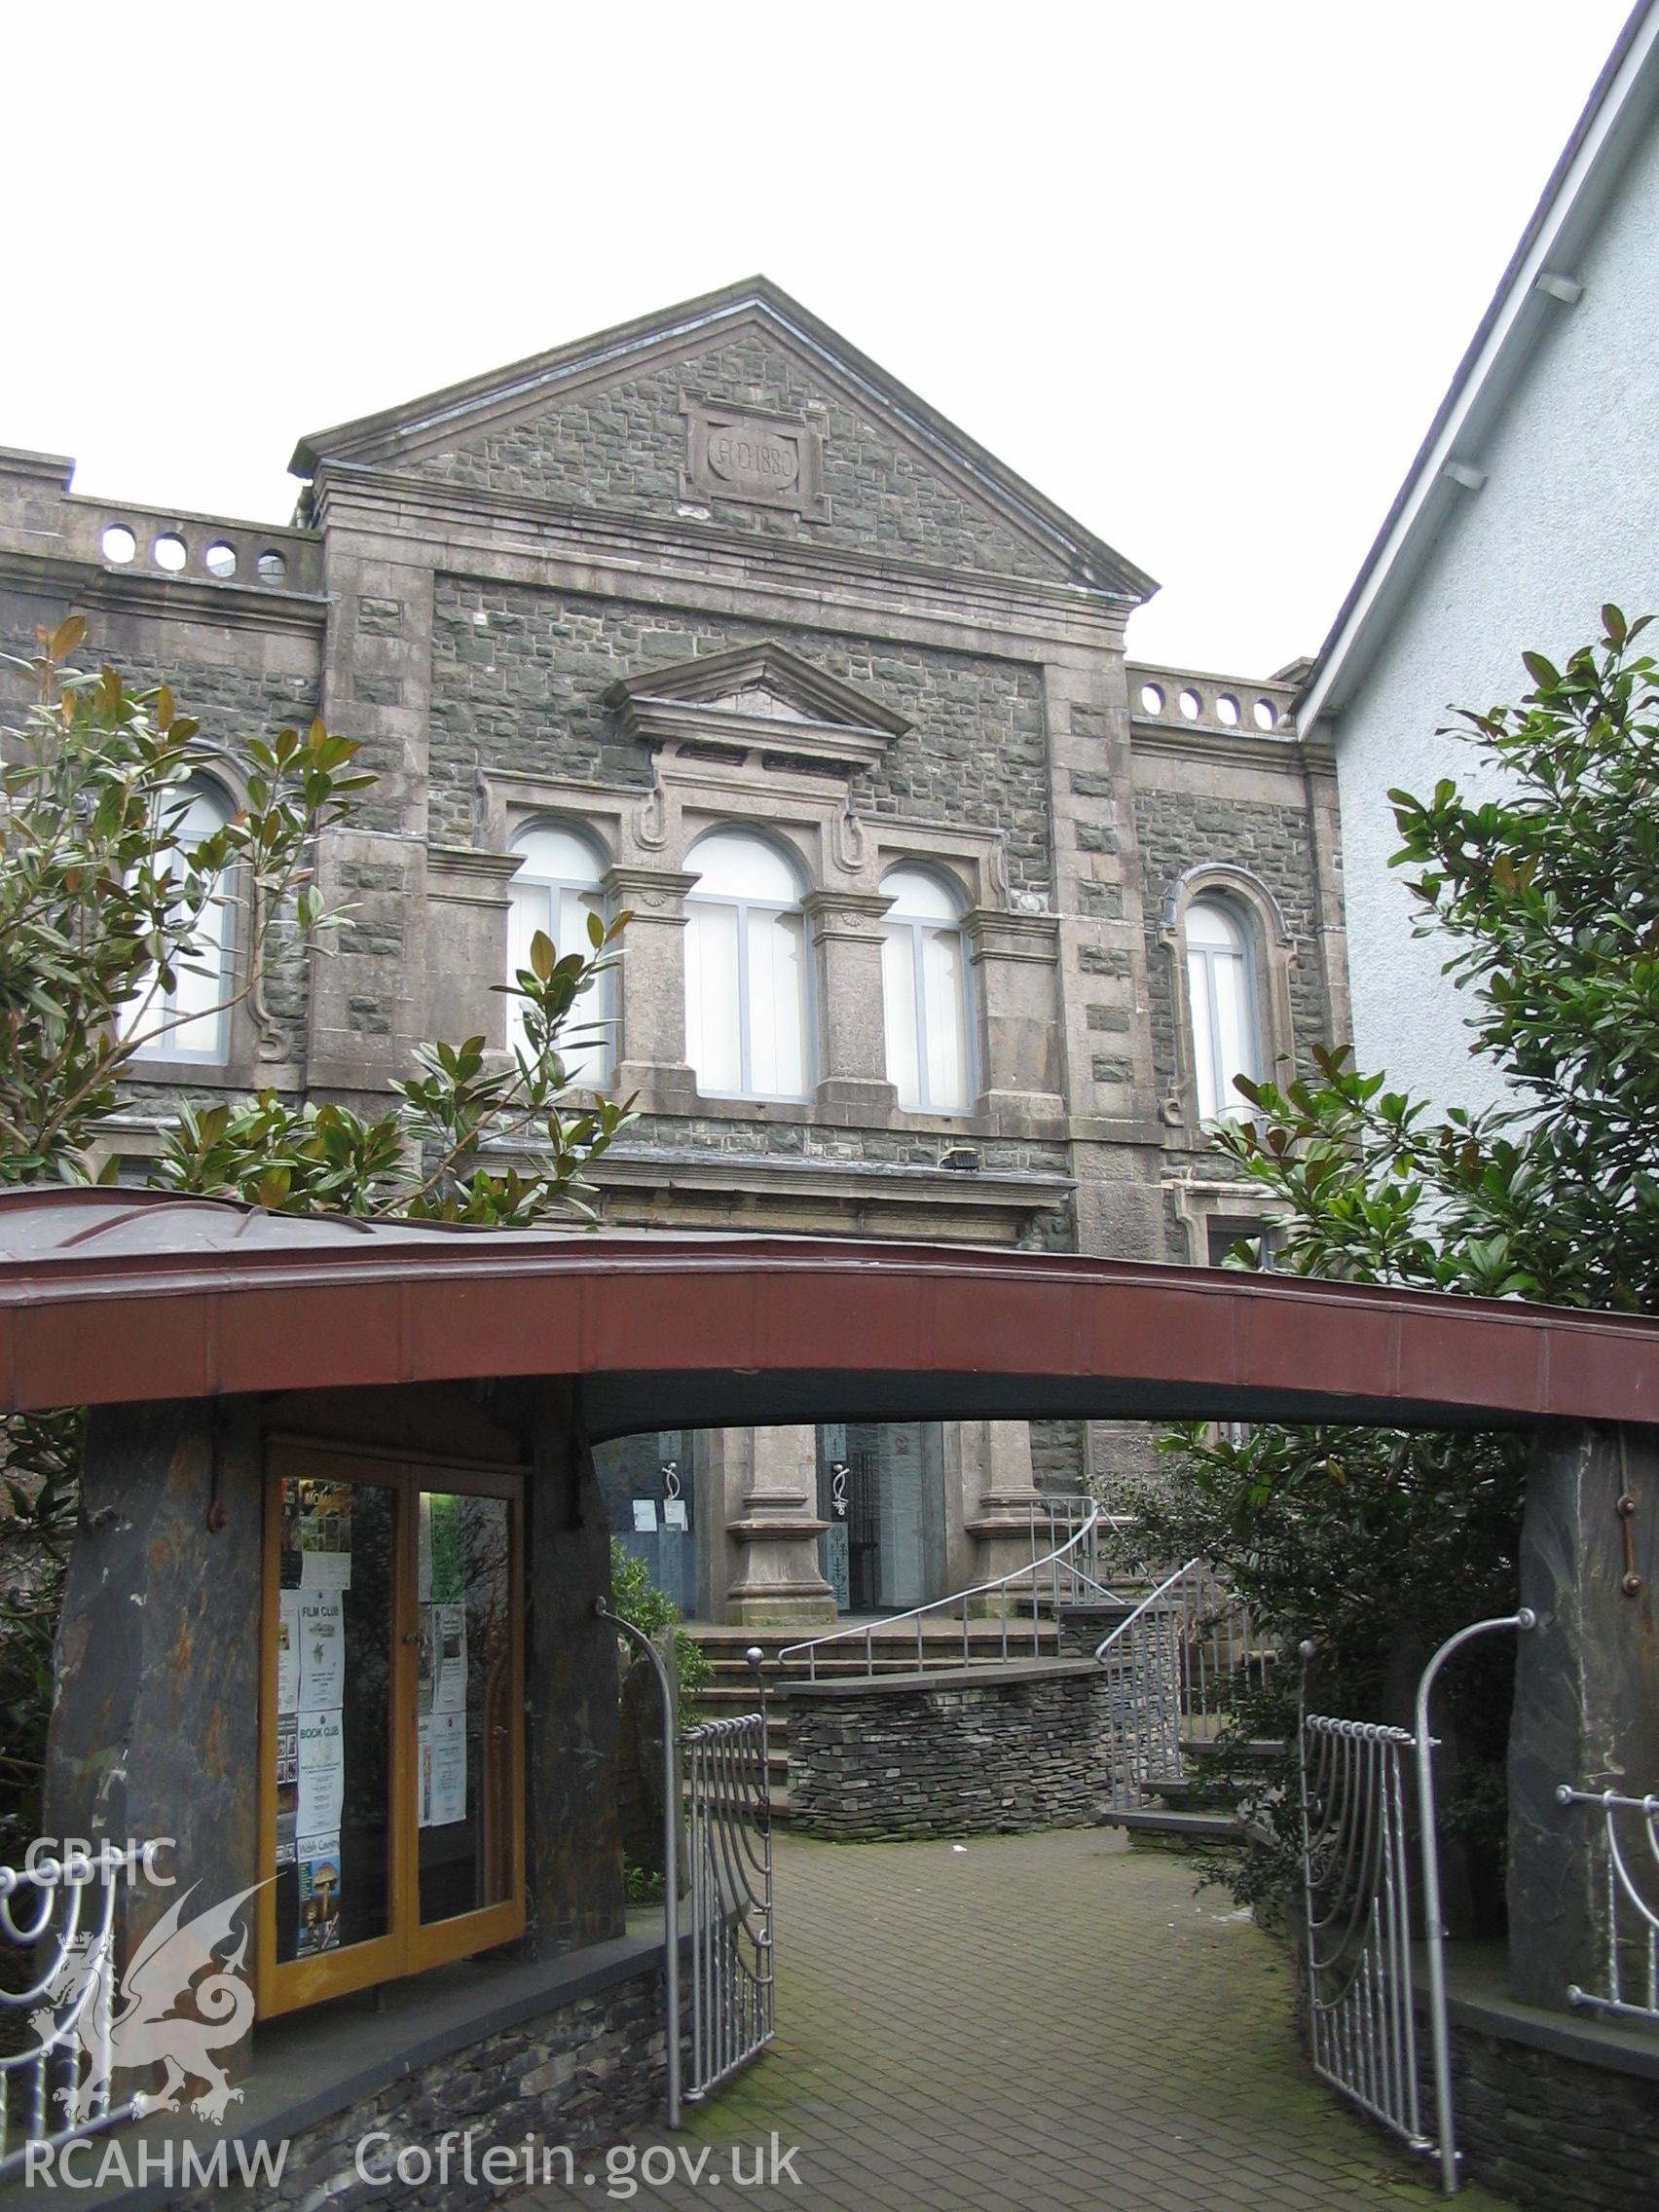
(1256, 1750)
(1154, 1824)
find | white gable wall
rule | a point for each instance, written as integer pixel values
(1568, 518)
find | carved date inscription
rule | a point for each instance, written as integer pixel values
(762, 461)
(753, 461)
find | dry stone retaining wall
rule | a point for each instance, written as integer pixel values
(978, 1750)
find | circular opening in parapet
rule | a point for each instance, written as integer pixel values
(169, 552)
(220, 560)
(1266, 714)
(270, 568)
(1152, 699)
(118, 542)
(1191, 705)
(1226, 709)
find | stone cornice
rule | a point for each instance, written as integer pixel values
(856, 914)
(661, 724)
(628, 548)
(654, 892)
(469, 874)
(998, 936)
(471, 859)
(178, 599)
(52, 472)
(1289, 755)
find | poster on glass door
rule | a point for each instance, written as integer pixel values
(442, 1769)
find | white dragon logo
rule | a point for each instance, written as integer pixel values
(145, 2030)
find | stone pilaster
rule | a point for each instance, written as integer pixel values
(770, 1477)
(999, 1492)
(368, 1001)
(1017, 960)
(1586, 1693)
(1108, 1069)
(852, 1041)
(1324, 817)
(467, 943)
(650, 1036)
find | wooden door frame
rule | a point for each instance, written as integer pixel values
(407, 1946)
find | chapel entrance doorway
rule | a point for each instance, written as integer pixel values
(650, 1484)
(881, 1489)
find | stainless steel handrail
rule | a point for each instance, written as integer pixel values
(1060, 1571)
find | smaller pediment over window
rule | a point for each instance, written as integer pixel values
(756, 700)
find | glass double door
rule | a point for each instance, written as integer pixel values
(392, 1777)
(650, 1485)
(881, 1489)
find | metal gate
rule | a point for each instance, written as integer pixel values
(54, 2071)
(714, 1777)
(1356, 1813)
(729, 1846)
(1356, 1890)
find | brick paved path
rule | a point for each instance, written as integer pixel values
(1033, 2021)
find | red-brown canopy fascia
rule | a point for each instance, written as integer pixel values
(112, 1296)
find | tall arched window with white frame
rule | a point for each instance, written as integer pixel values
(555, 891)
(191, 1023)
(923, 983)
(1221, 1003)
(748, 1004)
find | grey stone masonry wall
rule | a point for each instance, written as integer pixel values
(1552, 2132)
(578, 2075)
(1057, 1455)
(524, 692)
(229, 703)
(623, 448)
(1180, 830)
(978, 1750)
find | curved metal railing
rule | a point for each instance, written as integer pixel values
(1358, 1921)
(1630, 1903)
(61, 1912)
(1056, 1579)
(1176, 1664)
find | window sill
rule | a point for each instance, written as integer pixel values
(198, 1075)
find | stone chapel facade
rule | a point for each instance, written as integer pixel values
(950, 922)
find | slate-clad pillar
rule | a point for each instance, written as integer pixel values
(155, 1731)
(1586, 1692)
(574, 1845)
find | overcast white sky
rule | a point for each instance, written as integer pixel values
(1199, 270)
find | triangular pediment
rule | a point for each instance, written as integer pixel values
(743, 411)
(757, 702)
(765, 683)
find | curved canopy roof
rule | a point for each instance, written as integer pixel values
(115, 1296)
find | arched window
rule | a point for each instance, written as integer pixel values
(556, 890)
(746, 984)
(924, 982)
(1222, 1005)
(192, 1023)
